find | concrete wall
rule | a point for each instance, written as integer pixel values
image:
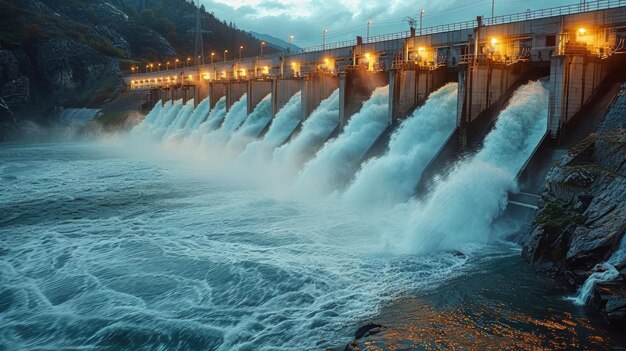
(574, 79)
(282, 91)
(166, 95)
(188, 93)
(409, 88)
(315, 88)
(201, 91)
(234, 92)
(484, 88)
(356, 87)
(217, 90)
(257, 90)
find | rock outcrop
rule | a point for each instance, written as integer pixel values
(582, 217)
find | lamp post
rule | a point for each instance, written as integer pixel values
(159, 67)
(240, 49)
(289, 47)
(176, 63)
(324, 39)
(225, 52)
(199, 58)
(188, 60)
(167, 66)
(421, 15)
(151, 66)
(369, 22)
(212, 54)
(262, 45)
(147, 67)
(493, 4)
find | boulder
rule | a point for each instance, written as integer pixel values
(610, 299)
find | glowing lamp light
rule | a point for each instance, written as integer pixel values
(582, 31)
(421, 49)
(367, 55)
(190, 77)
(494, 41)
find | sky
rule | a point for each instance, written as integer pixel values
(345, 19)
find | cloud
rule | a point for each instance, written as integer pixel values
(345, 19)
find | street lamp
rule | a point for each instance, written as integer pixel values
(159, 67)
(262, 45)
(225, 52)
(176, 63)
(199, 58)
(421, 15)
(147, 66)
(369, 22)
(212, 54)
(240, 48)
(151, 66)
(188, 60)
(289, 47)
(324, 39)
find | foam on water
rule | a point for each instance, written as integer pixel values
(393, 177)
(337, 161)
(463, 204)
(315, 130)
(101, 251)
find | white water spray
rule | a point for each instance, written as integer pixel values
(283, 125)
(393, 177)
(462, 206)
(199, 115)
(315, 130)
(217, 114)
(233, 120)
(338, 160)
(253, 125)
(180, 120)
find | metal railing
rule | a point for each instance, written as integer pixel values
(517, 17)
(555, 11)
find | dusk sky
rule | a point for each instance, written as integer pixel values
(346, 19)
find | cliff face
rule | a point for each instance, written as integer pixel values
(70, 53)
(582, 218)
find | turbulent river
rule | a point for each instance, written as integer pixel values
(173, 236)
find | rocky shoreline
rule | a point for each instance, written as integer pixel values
(580, 225)
(582, 216)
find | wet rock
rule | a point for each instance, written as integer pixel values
(610, 299)
(16, 93)
(365, 331)
(582, 216)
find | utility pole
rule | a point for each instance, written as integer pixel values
(369, 21)
(421, 16)
(199, 50)
(324, 39)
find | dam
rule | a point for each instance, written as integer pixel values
(576, 48)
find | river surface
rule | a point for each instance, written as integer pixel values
(101, 248)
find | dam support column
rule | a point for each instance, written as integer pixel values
(257, 90)
(355, 87)
(574, 79)
(201, 91)
(234, 92)
(484, 89)
(410, 85)
(315, 88)
(217, 90)
(282, 90)
(166, 94)
(188, 93)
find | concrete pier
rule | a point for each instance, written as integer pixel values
(355, 87)
(257, 90)
(410, 85)
(217, 90)
(484, 89)
(234, 91)
(315, 88)
(282, 90)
